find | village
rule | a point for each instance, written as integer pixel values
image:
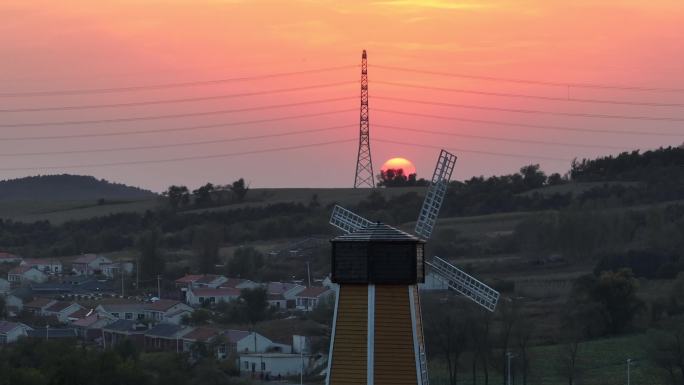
(82, 302)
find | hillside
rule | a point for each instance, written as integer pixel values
(67, 187)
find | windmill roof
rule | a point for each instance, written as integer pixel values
(377, 232)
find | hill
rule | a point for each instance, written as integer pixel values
(67, 187)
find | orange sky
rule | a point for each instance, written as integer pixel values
(50, 45)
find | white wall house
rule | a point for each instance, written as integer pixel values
(127, 311)
(10, 332)
(46, 265)
(26, 274)
(89, 264)
(62, 310)
(273, 365)
(199, 296)
(257, 343)
(310, 297)
(167, 311)
(113, 269)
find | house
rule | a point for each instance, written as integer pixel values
(13, 303)
(310, 297)
(121, 330)
(38, 305)
(63, 311)
(4, 286)
(46, 265)
(165, 337)
(288, 291)
(204, 280)
(132, 311)
(89, 328)
(77, 284)
(167, 311)
(48, 333)
(206, 336)
(277, 301)
(205, 296)
(272, 365)
(10, 332)
(111, 270)
(21, 275)
(239, 283)
(89, 264)
(257, 343)
(9, 258)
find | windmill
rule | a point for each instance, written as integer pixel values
(377, 335)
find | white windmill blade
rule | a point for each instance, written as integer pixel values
(346, 220)
(435, 194)
(464, 283)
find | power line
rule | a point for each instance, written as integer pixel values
(183, 144)
(527, 96)
(191, 128)
(542, 127)
(172, 116)
(528, 81)
(169, 101)
(525, 111)
(495, 138)
(178, 159)
(168, 85)
(474, 151)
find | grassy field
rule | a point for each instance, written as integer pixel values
(600, 362)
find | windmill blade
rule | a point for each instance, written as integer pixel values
(464, 283)
(347, 221)
(435, 194)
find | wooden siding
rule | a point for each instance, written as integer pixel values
(395, 361)
(349, 356)
(419, 317)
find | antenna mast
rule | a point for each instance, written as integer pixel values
(364, 164)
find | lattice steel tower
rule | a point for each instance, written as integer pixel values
(364, 163)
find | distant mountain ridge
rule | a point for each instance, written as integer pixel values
(67, 187)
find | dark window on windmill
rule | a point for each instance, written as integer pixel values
(379, 254)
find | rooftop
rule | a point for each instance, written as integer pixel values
(312, 292)
(49, 333)
(224, 292)
(39, 302)
(162, 305)
(6, 326)
(377, 232)
(58, 306)
(166, 330)
(202, 333)
(236, 335)
(122, 325)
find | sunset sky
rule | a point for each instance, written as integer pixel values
(72, 45)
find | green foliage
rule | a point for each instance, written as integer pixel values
(198, 317)
(151, 260)
(203, 195)
(239, 189)
(178, 196)
(206, 241)
(246, 262)
(67, 187)
(255, 304)
(396, 178)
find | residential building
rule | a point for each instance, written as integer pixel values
(63, 311)
(121, 330)
(111, 270)
(22, 275)
(167, 311)
(89, 264)
(207, 336)
(50, 333)
(310, 297)
(9, 258)
(38, 305)
(288, 291)
(13, 303)
(5, 286)
(89, 328)
(277, 301)
(257, 343)
(132, 311)
(46, 265)
(212, 281)
(165, 337)
(270, 366)
(239, 283)
(10, 332)
(200, 296)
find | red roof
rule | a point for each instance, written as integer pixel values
(233, 282)
(202, 333)
(313, 292)
(80, 313)
(40, 261)
(39, 302)
(235, 335)
(209, 278)
(6, 326)
(189, 278)
(224, 292)
(162, 305)
(58, 306)
(20, 269)
(8, 256)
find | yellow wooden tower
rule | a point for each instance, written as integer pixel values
(377, 333)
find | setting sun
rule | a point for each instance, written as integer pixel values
(400, 163)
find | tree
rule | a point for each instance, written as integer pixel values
(206, 242)
(616, 291)
(666, 349)
(203, 195)
(151, 261)
(255, 302)
(178, 196)
(3, 308)
(447, 335)
(239, 189)
(533, 177)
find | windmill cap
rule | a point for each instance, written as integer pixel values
(378, 232)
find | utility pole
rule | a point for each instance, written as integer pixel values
(47, 332)
(121, 271)
(137, 273)
(509, 355)
(308, 273)
(159, 286)
(629, 363)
